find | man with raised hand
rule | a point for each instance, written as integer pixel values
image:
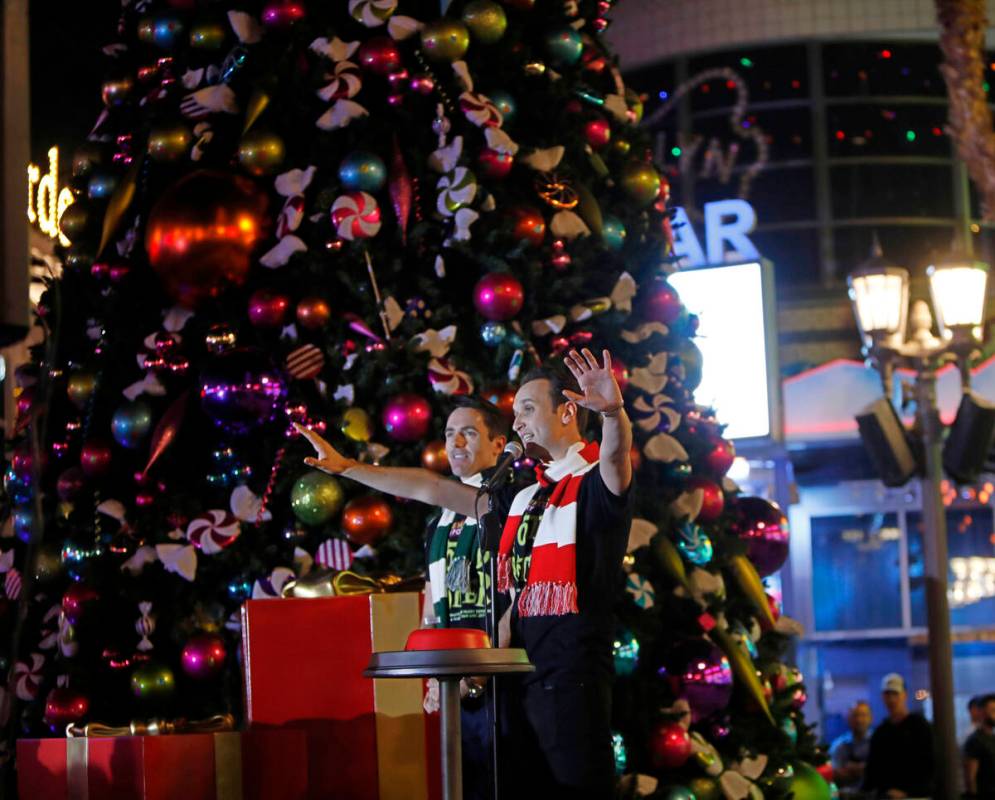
(560, 558)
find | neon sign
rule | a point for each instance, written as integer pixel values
(46, 201)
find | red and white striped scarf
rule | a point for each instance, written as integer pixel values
(551, 586)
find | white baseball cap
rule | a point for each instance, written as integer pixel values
(893, 682)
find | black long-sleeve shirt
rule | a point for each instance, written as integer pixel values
(901, 757)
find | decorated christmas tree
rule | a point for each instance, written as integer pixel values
(342, 214)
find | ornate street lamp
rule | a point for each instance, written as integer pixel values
(894, 336)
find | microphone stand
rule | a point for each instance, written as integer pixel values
(490, 540)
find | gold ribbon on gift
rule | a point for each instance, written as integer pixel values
(227, 766)
(154, 727)
(343, 583)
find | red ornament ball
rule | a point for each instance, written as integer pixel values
(598, 133)
(621, 372)
(366, 519)
(670, 746)
(64, 706)
(282, 14)
(719, 459)
(78, 598)
(95, 458)
(528, 225)
(268, 309)
(380, 55)
(660, 302)
(204, 656)
(494, 164)
(406, 417)
(313, 313)
(501, 396)
(202, 232)
(713, 501)
(434, 457)
(826, 771)
(498, 296)
(763, 526)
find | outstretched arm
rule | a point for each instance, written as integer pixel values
(602, 395)
(411, 483)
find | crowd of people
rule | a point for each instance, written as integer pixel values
(897, 759)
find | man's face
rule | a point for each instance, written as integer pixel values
(989, 715)
(537, 421)
(469, 446)
(893, 701)
(860, 719)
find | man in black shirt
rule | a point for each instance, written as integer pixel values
(900, 763)
(560, 557)
(979, 754)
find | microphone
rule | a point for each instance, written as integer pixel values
(512, 452)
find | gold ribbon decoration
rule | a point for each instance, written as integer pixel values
(219, 723)
(344, 583)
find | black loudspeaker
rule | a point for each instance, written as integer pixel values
(887, 443)
(969, 441)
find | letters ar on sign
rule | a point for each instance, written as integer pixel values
(727, 223)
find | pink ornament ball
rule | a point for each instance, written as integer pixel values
(407, 417)
(204, 656)
(498, 296)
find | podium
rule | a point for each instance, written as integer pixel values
(448, 654)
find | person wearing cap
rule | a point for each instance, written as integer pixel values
(979, 753)
(900, 762)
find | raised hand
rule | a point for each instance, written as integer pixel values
(600, 390)
(329, 459)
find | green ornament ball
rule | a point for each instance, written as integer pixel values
(641, 183)
(679, 793)
(564, 46)
(445, 40)
(316, 498)
(152, 681)
(613, 233)
(805, 783)
(625, 652)
(505, 104)
(690, 357)
(74, 221)
(486, 20)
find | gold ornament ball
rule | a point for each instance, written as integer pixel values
(445, 40)
(621, 146)
(220, 339)
(486, 20)
(434, 457)
(635, 104)
(208, 35)
(74, 221)
(641, 183)
(80, 388)
(261, 152)
(356, 425)
(170, 142)
(316, 498)
(705, 788)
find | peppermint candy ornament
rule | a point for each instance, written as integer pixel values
(213, 531)
(641, 590)
(273, 585)
(456, 190)
(345, 82)
(27, 677)
(372, 13)
(145, 626)
(356, 215)
(334, 554)
(305, 362)
(480, 110)
(446, 379)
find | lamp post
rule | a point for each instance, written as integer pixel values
(879, 292)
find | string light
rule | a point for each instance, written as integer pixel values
(675, 152)
(46, 201)
(910, 136)
(746, 62)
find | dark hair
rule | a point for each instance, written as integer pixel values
(494, 420)
(977, 701)
(559, 378)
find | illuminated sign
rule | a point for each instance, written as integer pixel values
(726, 224)
(46, 201)
(733, 339)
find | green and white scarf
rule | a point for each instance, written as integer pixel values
(456, 575)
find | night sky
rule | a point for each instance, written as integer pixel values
(67, 68)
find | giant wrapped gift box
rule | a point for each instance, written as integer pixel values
(304, 660)
(196, 766)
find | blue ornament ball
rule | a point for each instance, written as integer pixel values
(613, 233)
(694, 544)
(625, 653)
(505, 104)
(24, 521)
(167, 32)
(361, 171)
(493, 333)
(101, 186)
(18, 487)
(131, 424)
(564, 46)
